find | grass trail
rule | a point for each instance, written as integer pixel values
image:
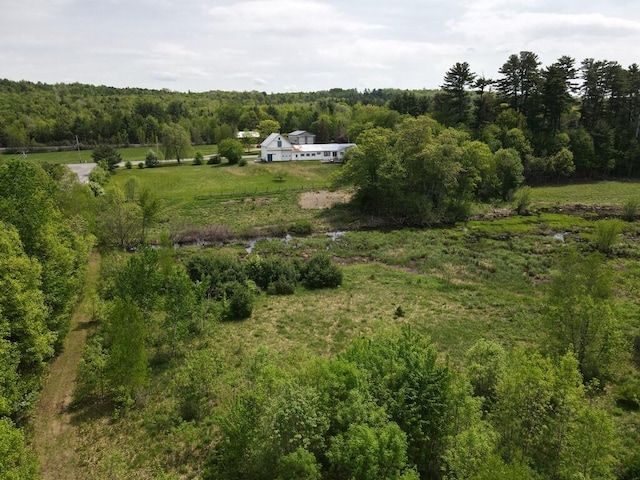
(55, 436)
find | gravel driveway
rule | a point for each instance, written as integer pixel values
(82, 170)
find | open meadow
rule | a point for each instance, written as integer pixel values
(482, 279)
(250, 198)
(131, 154)
(174, 383)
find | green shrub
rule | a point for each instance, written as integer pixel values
(628, 395)
(214, 160)
(99, 175)
(151, 159)
(275, 275)
(606, 233)
(242, 162)
(127, 165)
(239, 301)
(219, 270)
(523, 200)
(320, 272)
(630, 209)
(198, 159)
(141, 165)
(301, 227)
(281, 286)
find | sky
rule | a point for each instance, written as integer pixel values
(300, 45)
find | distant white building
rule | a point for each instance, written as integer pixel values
(300, 137)
(247, 134)
(276, 148)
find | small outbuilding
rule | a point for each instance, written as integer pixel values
(300, 137)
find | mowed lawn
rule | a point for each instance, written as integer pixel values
(187, 182)
(256, 195)
(131, 154)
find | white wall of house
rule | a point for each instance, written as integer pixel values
(275, 148)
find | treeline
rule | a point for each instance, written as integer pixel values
(44, 246)
(33, 114)
(589, 110)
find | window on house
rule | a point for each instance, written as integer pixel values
(279, 143)
(327, 154)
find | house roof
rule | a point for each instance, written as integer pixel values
(301, 132)
(272, 138)
(321, 147)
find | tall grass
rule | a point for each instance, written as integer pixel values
(606, 233)
(630, 209)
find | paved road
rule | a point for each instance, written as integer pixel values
(82, 170)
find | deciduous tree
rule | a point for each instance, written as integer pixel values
(230, 149)
(176, 142)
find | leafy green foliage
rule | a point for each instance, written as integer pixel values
(176, 142)
(41, 258)
(406, 377)
(486, 362)
(523, 200)
(541, 415)
(119, 223)
(16, 462)
(580, 317)
(273, 274)
(630, 209)
(230, 149)
(606, 233)
(107, 157)
(151, 159)
(239, 301)
(217, 270)
(198, 158)
(127, 366)
(320, 272)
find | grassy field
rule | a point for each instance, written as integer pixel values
(253, 196)
(598, 193)
(131, 154)
(483, 279)
(261, 195)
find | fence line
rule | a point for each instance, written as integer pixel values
(243, 193)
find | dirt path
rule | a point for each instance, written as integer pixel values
(54, 435)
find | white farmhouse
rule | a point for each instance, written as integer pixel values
(277, 148)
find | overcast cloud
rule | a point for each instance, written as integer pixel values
(300, 45)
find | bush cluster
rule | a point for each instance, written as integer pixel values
(321, 272)
(229, 280)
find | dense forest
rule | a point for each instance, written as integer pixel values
(565, 119)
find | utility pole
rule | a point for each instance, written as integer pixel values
(78, 148)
